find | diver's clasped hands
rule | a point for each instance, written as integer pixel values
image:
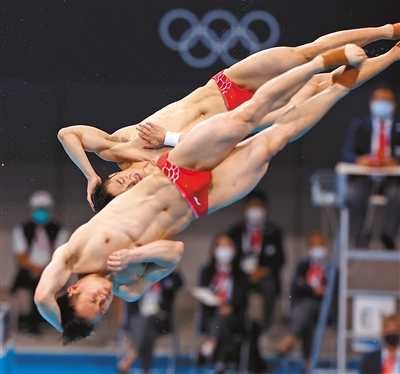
(119, 260)
(153, 134)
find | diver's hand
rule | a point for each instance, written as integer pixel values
(153, 134)
(92, 183)
(119, 260)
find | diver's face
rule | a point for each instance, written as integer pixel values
(122, 181)
(94, 296)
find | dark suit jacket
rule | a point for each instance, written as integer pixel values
(271, 254)
(169, 287)
(238, 299)
(300, 290)
(371, 363)
(358, 139)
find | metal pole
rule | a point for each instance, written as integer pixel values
(343, 271)
(343, 285)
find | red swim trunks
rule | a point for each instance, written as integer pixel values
(233, 95)
(192, 184)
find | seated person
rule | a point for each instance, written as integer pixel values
(307, 291)
(149, 318)
(260, 244)
(386, 360)
(223, 276)
(33, 243)
(374, 140)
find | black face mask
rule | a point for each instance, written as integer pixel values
(392, 339)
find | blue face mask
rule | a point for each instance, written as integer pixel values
(382, 108)
(41, 216)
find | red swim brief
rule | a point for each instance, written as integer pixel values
(233, 95)
(192, 184)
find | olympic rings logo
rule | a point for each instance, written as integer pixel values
(218, 46)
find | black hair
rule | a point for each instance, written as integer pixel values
(386, 86)
(257, 195)
(101, 197)
(74, 327)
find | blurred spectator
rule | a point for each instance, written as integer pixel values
(224, 317)
(33, 243)
(147, 319)
(374, 140)
(386, 360)
(307, 290)
(260, 245)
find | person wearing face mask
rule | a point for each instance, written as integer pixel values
(374, 140)
(260, 245)
(307, 290)
(33, 244)
(223, 276)
(385, 360)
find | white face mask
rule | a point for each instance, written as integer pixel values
(382, 108)
(255, 216)
(318, 253)
(224, 254)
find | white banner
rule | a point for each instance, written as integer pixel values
(368, 312)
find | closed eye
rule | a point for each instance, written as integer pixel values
(100, 305)
(130, 185)
(122, 185)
